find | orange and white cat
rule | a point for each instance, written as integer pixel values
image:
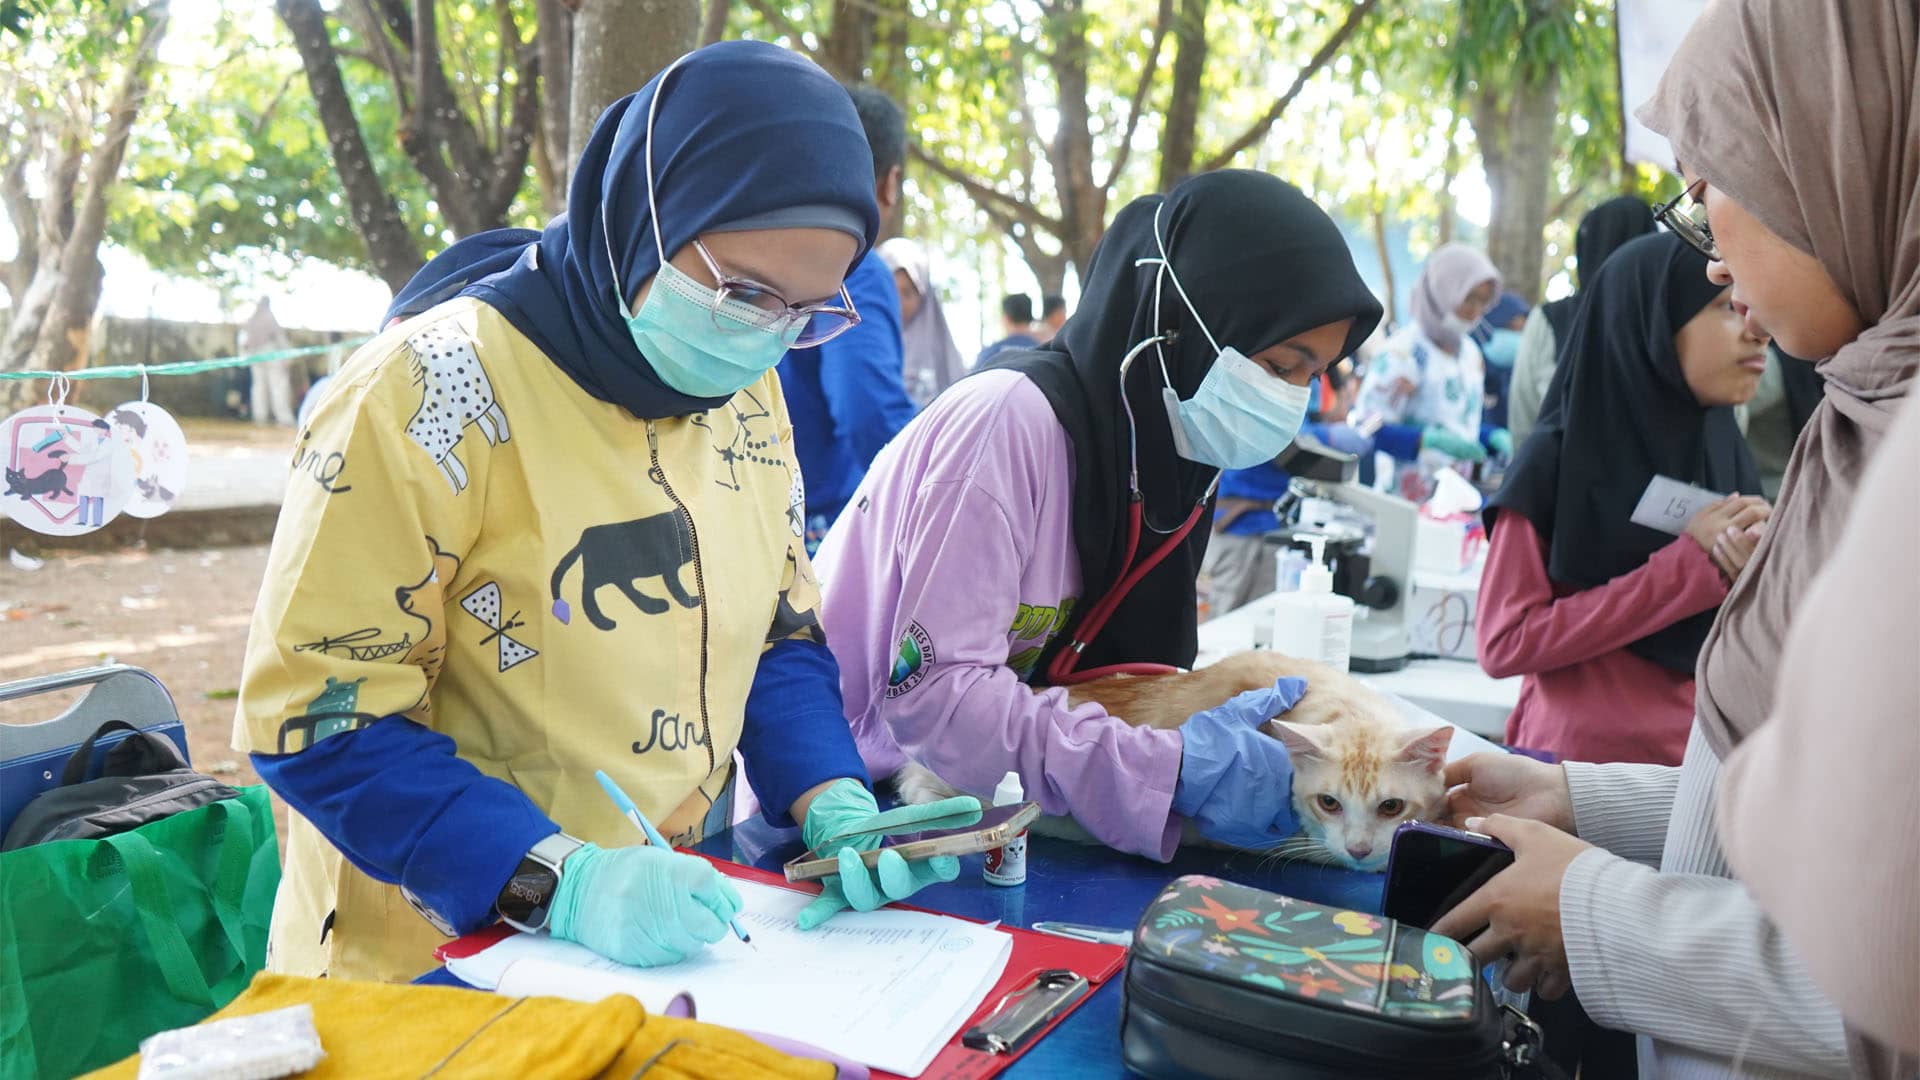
(1359, 770)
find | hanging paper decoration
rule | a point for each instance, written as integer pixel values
(66, 472)
(158, 450)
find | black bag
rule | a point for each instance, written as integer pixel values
(1225, 981)
(142, 778)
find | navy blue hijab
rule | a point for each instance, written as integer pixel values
(744, 128)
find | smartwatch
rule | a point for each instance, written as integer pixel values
(527, 899)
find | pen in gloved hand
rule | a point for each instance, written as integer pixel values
(653, 836)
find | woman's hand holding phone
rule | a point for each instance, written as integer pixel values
(1511, 784)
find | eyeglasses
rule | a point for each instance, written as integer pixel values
(1689, 222)
(741, 304)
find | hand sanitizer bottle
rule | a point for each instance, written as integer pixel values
(1314, 623)
(1007, 864)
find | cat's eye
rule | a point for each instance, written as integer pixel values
(1392, 808)
(1327, 803)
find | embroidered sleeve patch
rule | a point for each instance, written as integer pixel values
(910, 663)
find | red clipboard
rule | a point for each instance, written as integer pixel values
(1033, 953)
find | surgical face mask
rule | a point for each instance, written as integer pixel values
(1501, 348)
(1242, 415)
(1457, 324)
(700, 345)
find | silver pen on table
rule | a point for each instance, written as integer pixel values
(1104, 935)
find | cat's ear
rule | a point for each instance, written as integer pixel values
(1428, 749)
(1299, 747)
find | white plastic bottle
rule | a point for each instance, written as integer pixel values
(1314, 623)
(1007, 864)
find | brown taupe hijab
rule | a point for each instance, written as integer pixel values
(1807, 114)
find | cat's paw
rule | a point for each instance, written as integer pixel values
(917, 785)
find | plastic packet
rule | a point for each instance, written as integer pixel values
(259, 1047)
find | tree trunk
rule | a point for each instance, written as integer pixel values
(714, 27)
(849, 40)
(1448, 173)
(1083, 203)
(1519, 159)
(1385, 251)
(50, 323)
(1183, 108)
(391, 247)
(617, 46)
(556, 91)
(892, 72)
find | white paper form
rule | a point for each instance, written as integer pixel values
(885, 988)
(1668, 504)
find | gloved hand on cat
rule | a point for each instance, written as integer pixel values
(848, 807)
(1236, 781)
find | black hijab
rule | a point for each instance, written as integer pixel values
(1262, 263)
(1618, 413)
(1602, 232)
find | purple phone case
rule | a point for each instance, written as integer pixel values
(1443, 831)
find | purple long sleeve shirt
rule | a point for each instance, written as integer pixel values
(948, 573)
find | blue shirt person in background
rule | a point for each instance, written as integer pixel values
(1016, 319)
(848, 397)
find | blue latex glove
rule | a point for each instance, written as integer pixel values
(1500, 441)
(644, 906)
(848, 806)
(1455, 447)
(1344, 438)
(1236, 781)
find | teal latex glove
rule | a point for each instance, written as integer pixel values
(1455, 447)
(848, 806)
(1500, 440)
(644, 906)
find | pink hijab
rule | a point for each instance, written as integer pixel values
(1807, 114)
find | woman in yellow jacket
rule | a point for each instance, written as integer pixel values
(549, 523)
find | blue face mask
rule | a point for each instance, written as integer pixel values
(701, 345)
(1501, 347)
(698, 343)
(1242, 415)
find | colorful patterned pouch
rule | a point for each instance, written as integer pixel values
(1224, 980)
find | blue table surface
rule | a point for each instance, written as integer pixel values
(1071, 882)
(1081, 883)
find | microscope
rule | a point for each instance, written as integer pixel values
(1372, 564)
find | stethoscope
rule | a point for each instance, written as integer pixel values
(1061, 670)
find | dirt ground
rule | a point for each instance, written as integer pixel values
(182, 615)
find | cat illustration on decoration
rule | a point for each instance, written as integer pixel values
(1359, 771)
(620, 554)
(454, 392)
(51, 481)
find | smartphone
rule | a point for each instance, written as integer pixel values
(1433, 868)
(996, 826)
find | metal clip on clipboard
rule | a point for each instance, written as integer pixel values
(1023, 1013)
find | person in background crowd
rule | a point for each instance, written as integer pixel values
(988, 530)
(1778, 413)
(1804, 191)
(1601, 232)
(1422, 394)
(932, 361)
(271, 396)
(848, 396)
(1602, 616)
(1016, 324)
(1498, 336)
(1053, 316)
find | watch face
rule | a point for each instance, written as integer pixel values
(527, 894)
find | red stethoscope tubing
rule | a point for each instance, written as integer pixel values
(1061, 671)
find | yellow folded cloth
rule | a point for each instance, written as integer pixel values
(378, 1030)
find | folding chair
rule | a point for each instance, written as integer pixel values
(32, 755)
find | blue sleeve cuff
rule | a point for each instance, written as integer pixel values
(796, 734)
(1399, 441)
(405, 810)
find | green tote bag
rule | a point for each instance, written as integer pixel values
(104, 942)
